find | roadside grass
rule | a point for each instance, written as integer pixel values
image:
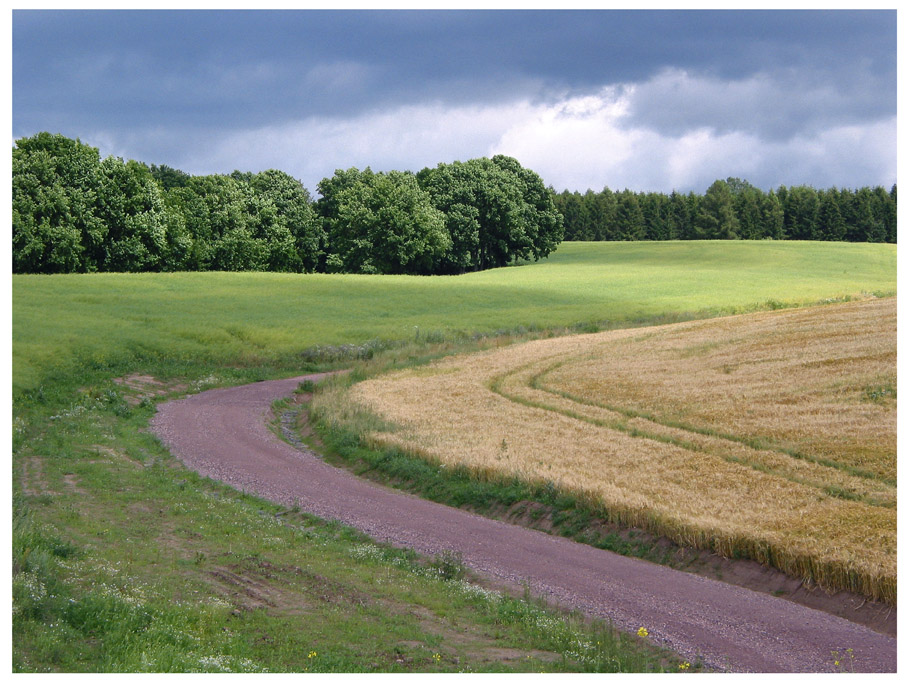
(124, 561)
(534, 412)
(339, 437)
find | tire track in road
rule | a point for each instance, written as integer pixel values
(224, 434)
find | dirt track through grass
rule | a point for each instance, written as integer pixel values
(770, 435)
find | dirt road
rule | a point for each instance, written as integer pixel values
(223, 434)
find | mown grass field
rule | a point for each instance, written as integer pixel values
(770, 435)
(125, 561)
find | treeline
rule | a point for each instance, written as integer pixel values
(74, 212)
(731, 209)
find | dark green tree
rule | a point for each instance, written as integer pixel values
(830, 222)
(883, 206)
(748, 211)
(801, 212)
(573, 209)
(54, 185)
(772, 217)
(716, 217)
(497, 212)
(677, 216)
(382, 223)
(604, 215)
(629, 217)
(169, 177)
(868, 222)
(655, 207)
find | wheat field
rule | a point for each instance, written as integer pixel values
(770, 435)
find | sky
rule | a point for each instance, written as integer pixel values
(647, 100)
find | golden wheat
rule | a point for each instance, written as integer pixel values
(771, 435)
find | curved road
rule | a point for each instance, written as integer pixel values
(223, 434)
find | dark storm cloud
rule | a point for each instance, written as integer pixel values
(589, 97)
(245, 68)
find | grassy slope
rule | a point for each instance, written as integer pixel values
(125, 561)
(115, 320)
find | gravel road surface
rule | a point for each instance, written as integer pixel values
(223, 434)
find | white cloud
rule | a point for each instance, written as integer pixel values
(575, 143)
(600, 142)
(408, 138)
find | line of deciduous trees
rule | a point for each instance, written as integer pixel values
(74, 212)
(731, 209)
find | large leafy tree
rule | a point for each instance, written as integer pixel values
(496, 212)
(232, 228)
(381, 223)
(130, 204)
(54, 186)
(293, 206)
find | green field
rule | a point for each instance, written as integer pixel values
(125, 561)
(117, 321)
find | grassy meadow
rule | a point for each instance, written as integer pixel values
(119, 321)
(770, 435)
(125, 561)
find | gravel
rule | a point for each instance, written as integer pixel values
(223, 434)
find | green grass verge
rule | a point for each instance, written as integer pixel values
(338, 437)
(124, 561)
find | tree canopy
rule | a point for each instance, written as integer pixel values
(497, 212)
(76, 212)
(73, 211)
(381, 223)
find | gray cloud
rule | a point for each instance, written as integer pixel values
(779, 105)
(651, 99)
